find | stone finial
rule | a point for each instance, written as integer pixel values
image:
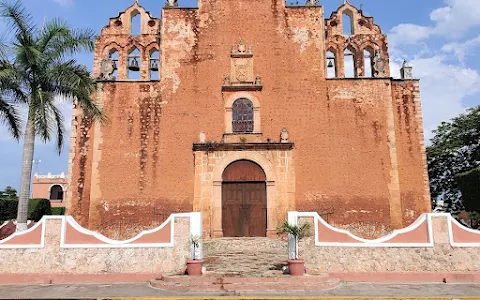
(284, 135)
(107, 68)
(379, 65)
(406, 72)
(171, 3)
(258, 80)
(226, 80)
(203, 137)
(312, 3)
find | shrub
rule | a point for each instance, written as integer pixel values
(58, 211)
(8, 210)
(37, 208)
(469, 184)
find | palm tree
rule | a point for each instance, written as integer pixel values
(41, 64)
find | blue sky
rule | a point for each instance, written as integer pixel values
(440, 37)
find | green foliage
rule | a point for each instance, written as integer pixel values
(474, 218)
(298, 232)
(8, 210)
(37, 208)
(37, 67)
(454, 149)
(58, 211)
(8, 194)
(195, 240)
(469, 184)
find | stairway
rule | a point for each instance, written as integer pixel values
(245, 266)
(245, 257)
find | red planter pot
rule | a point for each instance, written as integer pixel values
(296, 267)
(194, 267)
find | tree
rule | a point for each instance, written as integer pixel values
(455, 149)
(41, 62)
(8, 194)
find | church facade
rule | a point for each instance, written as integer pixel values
(245, 110)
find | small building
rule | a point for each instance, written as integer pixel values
(52, 187)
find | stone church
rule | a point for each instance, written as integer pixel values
(245, 110)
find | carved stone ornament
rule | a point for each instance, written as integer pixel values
(379, 65)
(312, 3)
(284, 135)
(107, 68)
(241, 77)
(406, 71)
(171, 3)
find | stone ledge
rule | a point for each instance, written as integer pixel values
(209, 147)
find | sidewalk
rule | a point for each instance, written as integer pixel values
(364, 290)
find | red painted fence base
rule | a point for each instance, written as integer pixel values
(74, 278)
(408, 277)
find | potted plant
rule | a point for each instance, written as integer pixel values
(296, 266)
(194, 266)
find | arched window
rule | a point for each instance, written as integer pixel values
(135, 23)
(368, 62)
(133, 62)
(347, 23)
(154, 65)
(349, 63)
(331, 64)
(242, 118)
(56, 192)
(114, 57)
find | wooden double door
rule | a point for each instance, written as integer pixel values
(244, 209)
(244, 200)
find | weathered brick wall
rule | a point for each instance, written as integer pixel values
(345, 157)
(415, 193)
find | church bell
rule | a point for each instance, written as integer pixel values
(154, 65)
(133, 66)
(330, 63)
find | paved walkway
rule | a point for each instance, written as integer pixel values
(365, 290)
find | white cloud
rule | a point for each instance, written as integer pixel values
(451, 21)
(443, 88)
(409, 33)
(462, 50)
(64, 2)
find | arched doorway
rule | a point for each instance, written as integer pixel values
(244, 200)
(56, 192)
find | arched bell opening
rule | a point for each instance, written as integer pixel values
(244, 200)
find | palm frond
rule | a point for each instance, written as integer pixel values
(73, 82)
(58, 41)
(9, 115)
(11, 82)
(19, 20)
(60, 126)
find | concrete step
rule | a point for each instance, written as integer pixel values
(251, 257)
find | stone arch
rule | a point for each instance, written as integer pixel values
(271, 177)
(54, 190)
(349, 28)
(256, 111)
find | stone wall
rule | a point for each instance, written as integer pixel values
(434, 243)
(58, 245)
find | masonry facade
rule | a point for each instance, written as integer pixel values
(245, 110)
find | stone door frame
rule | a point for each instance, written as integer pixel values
(267, 167)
